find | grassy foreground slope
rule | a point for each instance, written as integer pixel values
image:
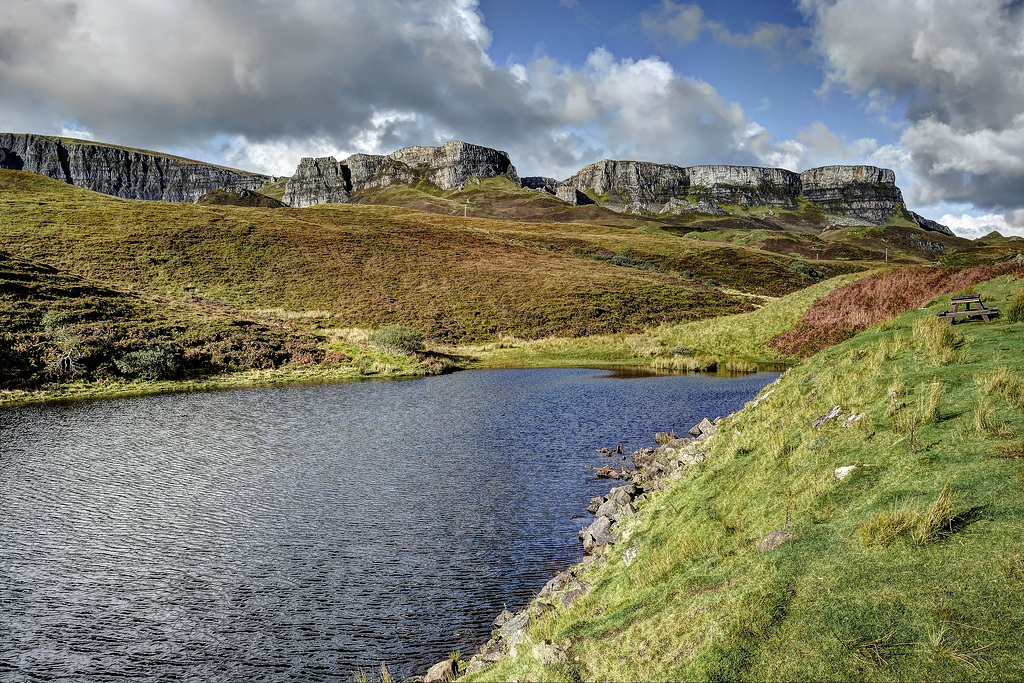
(911, 567)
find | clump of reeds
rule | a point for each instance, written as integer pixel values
(919, 527)
(940, 340)
(1014, 312)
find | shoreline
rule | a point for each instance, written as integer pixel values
(299, 376)
(654, 469)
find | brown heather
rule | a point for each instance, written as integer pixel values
(876, 298)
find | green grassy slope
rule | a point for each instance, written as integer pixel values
(728, 342)
(909, 568)
(454, 279)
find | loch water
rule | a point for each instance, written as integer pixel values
(304, 533)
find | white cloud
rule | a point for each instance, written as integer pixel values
(260, 85)
(681, 22)
(972, 227)
(958, 66)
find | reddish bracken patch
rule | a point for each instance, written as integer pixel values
(859, 305)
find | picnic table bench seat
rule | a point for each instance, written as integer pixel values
(962, 306)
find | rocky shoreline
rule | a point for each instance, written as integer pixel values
(655, 468)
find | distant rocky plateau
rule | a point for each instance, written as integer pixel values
(850, 194)
(121, 171)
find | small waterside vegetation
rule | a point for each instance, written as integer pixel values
(893, 460)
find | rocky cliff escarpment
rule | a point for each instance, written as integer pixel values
(864, 193)
(635, 186)
(120, 171)
(318, 181)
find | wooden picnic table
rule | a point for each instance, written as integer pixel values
(968, 306)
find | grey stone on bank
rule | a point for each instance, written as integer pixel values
(705, 426)
(596, 535)
(773, 540)
(557, 583)
(514, 625)
(440, 672)
(577, 589)
(548, 654)
(831, 415)
(614, 510)
(502, 618)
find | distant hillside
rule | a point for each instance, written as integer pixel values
(454, 279)
(696, 196)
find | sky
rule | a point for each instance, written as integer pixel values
(933, 89)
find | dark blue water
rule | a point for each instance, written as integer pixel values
(304, 532)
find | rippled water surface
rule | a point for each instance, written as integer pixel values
(300, 533)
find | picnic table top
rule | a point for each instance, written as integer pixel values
(966, 297)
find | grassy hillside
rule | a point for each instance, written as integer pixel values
(908, 568)
(454, 279)
(65, 336)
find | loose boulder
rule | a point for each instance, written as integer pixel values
(440, 672)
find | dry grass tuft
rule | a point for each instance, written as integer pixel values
(921, 528)
(940, 341)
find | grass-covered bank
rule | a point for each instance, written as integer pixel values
(908, 568)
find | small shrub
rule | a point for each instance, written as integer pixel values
(804, 268)
(710, 282)
(1015, 311)
(54, 319)
(153, 363)
(398, 339)
(681, 351)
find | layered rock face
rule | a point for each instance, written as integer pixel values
(864, 193)
(118, 171)
(643, 186)
(318, 181)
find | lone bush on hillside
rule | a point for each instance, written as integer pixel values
(804, 268)
(152, 363)
(397, 339)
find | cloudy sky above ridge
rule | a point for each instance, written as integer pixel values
(933, 89)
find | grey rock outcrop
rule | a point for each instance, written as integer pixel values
(318, 181)
(865, 192)
(859, 194)
(120, 171)
(323, 180)
(632, 185)
(933, 226)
